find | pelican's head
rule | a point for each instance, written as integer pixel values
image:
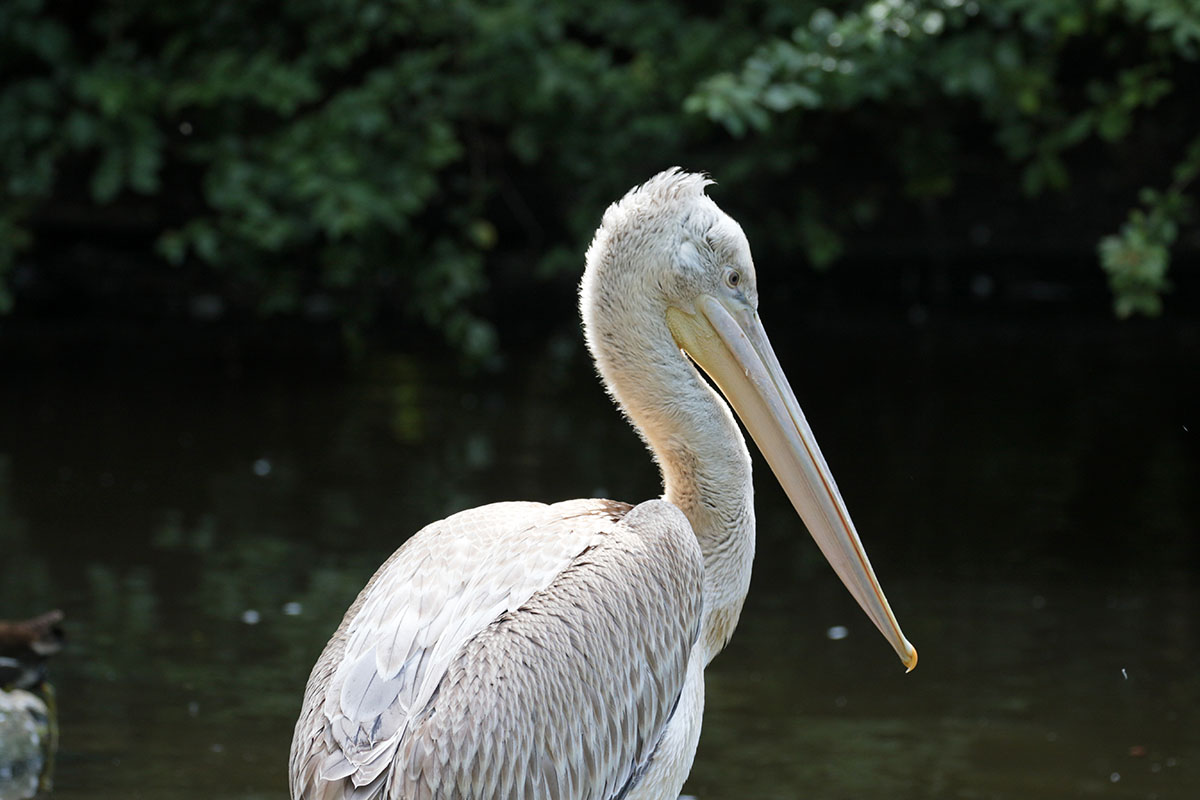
(665, 244)
(669, 272)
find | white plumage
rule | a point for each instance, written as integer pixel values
(529, 651)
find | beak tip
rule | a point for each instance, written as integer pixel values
(909, 658)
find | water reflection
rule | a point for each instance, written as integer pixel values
(1028, 500)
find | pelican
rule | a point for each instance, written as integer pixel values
(527, 651)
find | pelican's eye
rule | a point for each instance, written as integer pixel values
(732, 278)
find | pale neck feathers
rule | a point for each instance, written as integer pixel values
(688, 428)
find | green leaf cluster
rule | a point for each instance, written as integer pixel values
(1008, 60)
(1137, 257)
(371, 153)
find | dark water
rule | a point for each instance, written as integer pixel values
(1030, 498)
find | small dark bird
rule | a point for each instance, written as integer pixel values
(26, 646)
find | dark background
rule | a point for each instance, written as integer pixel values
(345, 175)
(281, 283)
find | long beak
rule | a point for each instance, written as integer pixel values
(732, 347)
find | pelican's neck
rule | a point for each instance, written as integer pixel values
(706, 473)
(699, 450)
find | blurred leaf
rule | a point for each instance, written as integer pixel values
(821, 244)
(108, 176)
(1136, 259)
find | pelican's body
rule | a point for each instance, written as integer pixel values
(522, 650)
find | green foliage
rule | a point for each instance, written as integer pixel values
(369, 155)
(1006, 59)
(1136, 259)
(372, 151)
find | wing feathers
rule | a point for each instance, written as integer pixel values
(512, 651)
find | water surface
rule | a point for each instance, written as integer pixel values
(1028, 496)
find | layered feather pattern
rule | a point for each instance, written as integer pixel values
(515, 650)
